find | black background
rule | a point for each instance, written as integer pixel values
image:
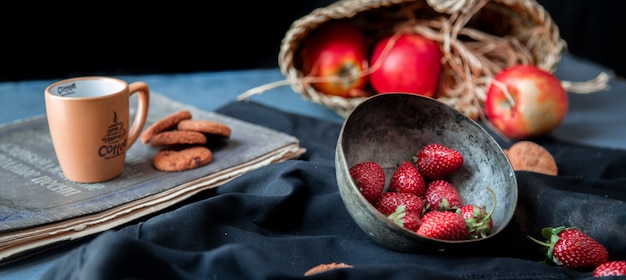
(176, 37)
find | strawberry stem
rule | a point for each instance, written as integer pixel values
(539, 242)
(493, 207)
(398, 216)
(552, 236)
(485, 221)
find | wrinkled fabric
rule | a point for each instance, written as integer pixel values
(278, 221)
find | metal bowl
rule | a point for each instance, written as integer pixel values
(389, 128)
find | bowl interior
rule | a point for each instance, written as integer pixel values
(390, 128)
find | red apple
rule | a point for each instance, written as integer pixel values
(535, 105)
(410, 64)
(336, 50)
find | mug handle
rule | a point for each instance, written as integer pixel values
(139, 121)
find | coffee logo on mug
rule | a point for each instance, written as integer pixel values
(114, 139)
(66, 89)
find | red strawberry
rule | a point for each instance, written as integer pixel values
(436, 161)
(408, 219)
(478, 220)
(443, 225)
(572, 248)
(442, 195)
(369, 177)
(612, 268)
(407, 179)
(388, 202)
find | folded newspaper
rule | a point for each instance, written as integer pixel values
(39, 207)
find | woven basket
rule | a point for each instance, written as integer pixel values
(478, 38)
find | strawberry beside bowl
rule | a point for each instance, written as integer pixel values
(390, 129)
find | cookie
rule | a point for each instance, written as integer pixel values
(530, 156)
(205, 126)
(171, 160)
(164, 124)
(324, 267)
(177, 137)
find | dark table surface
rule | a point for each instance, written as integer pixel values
(596, 120)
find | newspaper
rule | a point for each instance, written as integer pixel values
(39, 207)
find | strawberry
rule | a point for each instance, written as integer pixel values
(388, 202)
(408, 179)
(612, 268)
(478, 220)
(408, 219)
(443, 225)
(369, 177)
(572, 248)
(437, 161)
(442, 195)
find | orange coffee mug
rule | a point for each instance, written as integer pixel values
(89, 121)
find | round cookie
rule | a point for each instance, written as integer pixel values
(530, 156)
(164, 124)
(177, 137)
(171, 160)
(205, 126)
(324, 267)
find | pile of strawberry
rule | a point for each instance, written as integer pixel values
(420, 197)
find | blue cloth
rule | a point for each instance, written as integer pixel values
(278, 221)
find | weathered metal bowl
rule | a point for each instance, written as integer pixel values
(389, 128)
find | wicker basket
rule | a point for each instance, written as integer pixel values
(478, 38)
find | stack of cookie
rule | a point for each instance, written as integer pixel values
(182, 141)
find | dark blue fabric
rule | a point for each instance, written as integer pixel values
(278, 221)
